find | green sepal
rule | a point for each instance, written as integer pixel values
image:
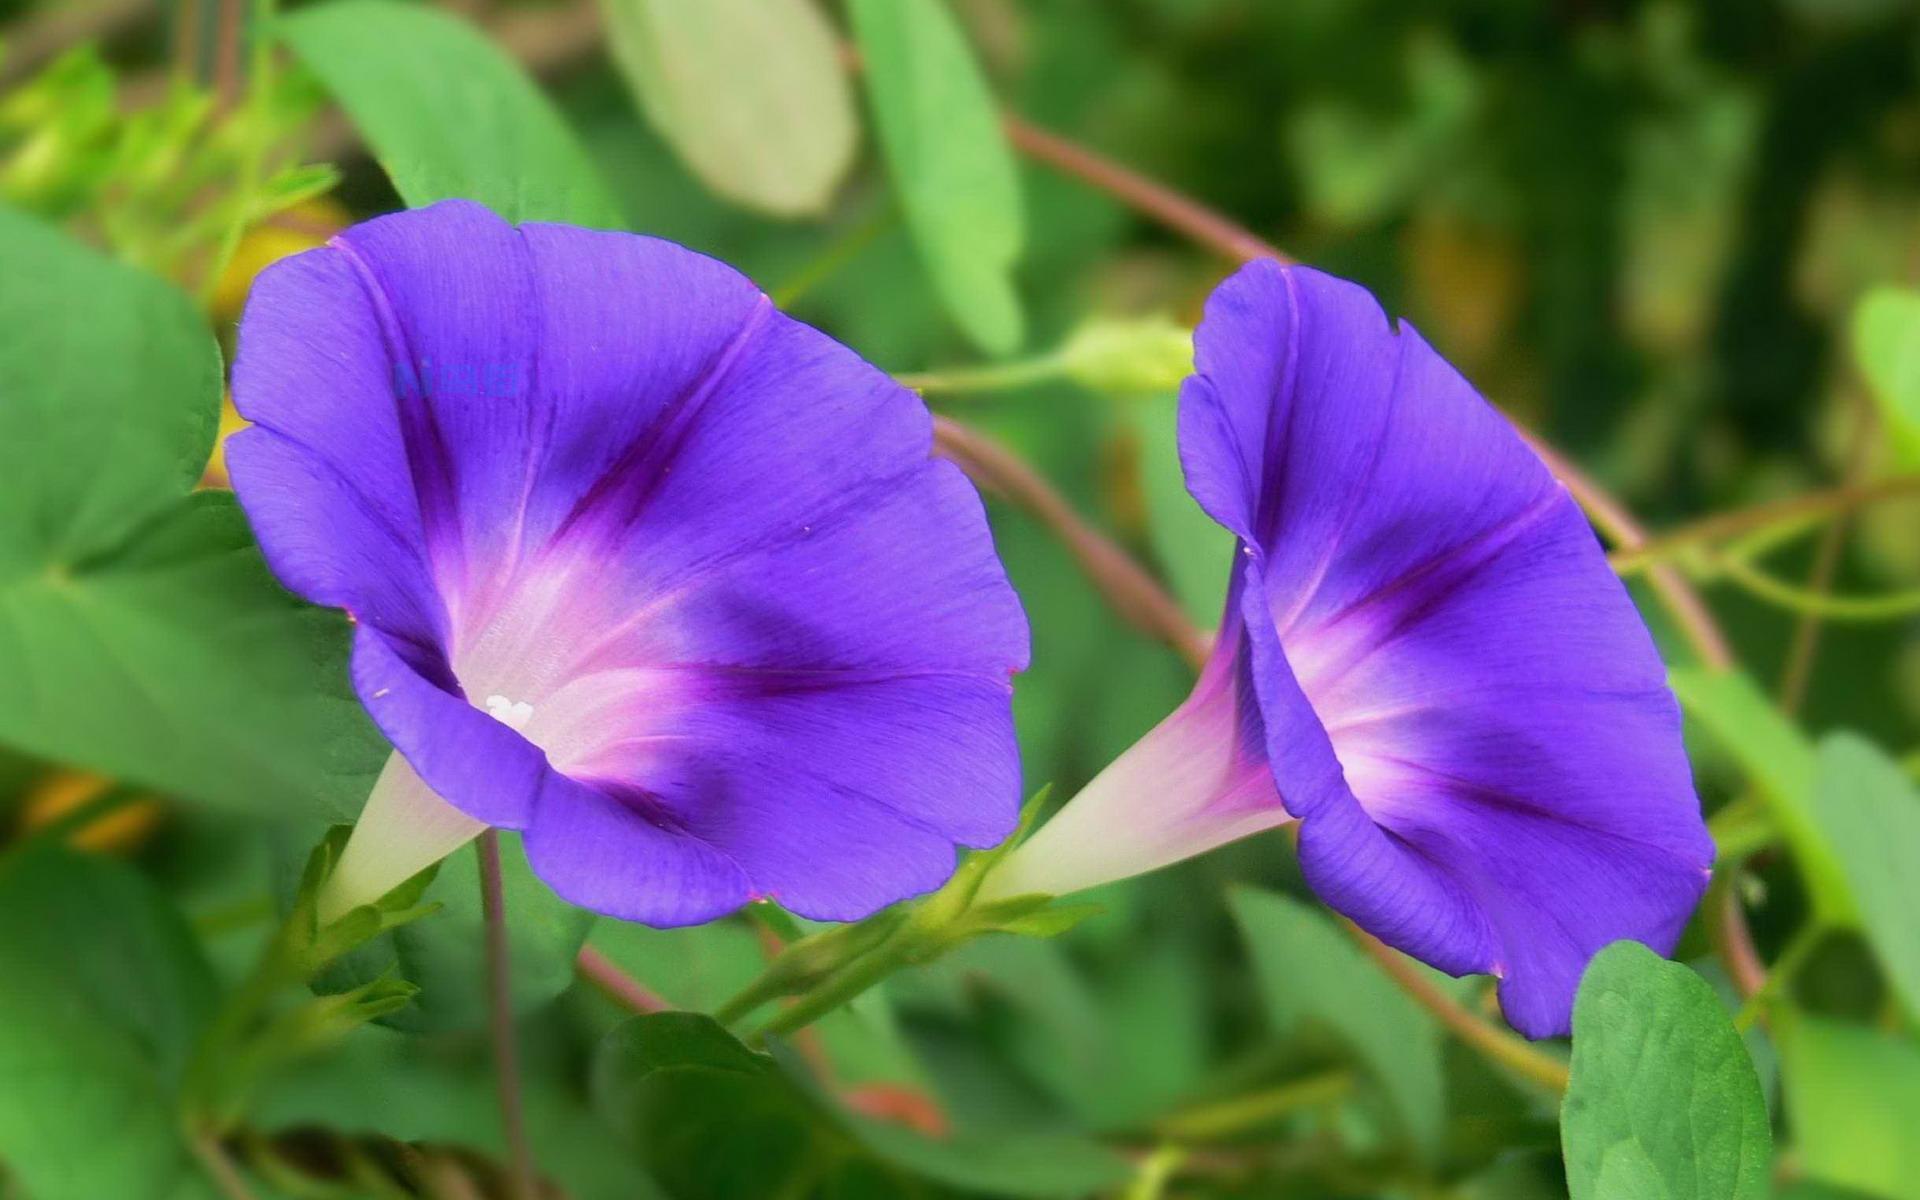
(255, 1033)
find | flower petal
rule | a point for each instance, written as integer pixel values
(1197, 780)
(642, 566)
(1460, 702)
(476, 763)
(604, 852)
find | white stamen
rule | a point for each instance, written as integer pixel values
(508, 713)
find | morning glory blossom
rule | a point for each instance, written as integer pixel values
(638, 566)
(1425, 661)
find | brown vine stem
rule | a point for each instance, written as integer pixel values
(1508, 1049)
(1797, 675)
(1132, 592)
(618, 986)
(1196, 221)
(506, 1056)
(1180, 213)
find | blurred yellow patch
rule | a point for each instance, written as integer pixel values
(231, 422)
(301, 227)
(117, 830)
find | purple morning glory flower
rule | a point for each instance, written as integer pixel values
(1425, 660)
(639, 566)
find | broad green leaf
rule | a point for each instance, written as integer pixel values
(1194, 550)
(1886, 344)
(1153, 1001)
(700, 967)
(447, 112)
(139, 629)
(1853, 1099)
(1033, 1163)
(412, 1089)
(1663, 1103)
(443, 953)
(708, 1117)
(750, 93)
(1780, 761)
(950, 162)
(711, 1118)
(1869, 810)
(102, 995)
(1312, 977)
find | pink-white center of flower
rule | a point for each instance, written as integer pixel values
(1339, 673)
(574, 665)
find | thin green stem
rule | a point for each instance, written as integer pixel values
(843, 986)
(1156, 1172)
(1742, 828)
(1889, 606)
(839, 252)
(1796, 512)
(1227, 1118)
(1799, 949)
(995, 377)
(506, 1058)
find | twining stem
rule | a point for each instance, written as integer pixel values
(623, 989)
(506, 1057)
(1202, 225)
(1815, 604)
(1787, 512)
(1180, 213)
(1508, 1049)
(1797, 675)
(1799, 949)
(1133, 593)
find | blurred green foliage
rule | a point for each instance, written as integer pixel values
(1679, 240)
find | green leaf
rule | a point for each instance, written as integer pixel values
(707, 1116)
(1886, 343)
(1001, 1163)
(141, 632)
(443, 954)
(711, 1118)
(951, 165)
(1781, 762)
(750, 94)
(447, 113)
(1663, 1103)
(1310, 976)
(416, 1090)
(1868, 809)
(1853, 1099)
(103, 992)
